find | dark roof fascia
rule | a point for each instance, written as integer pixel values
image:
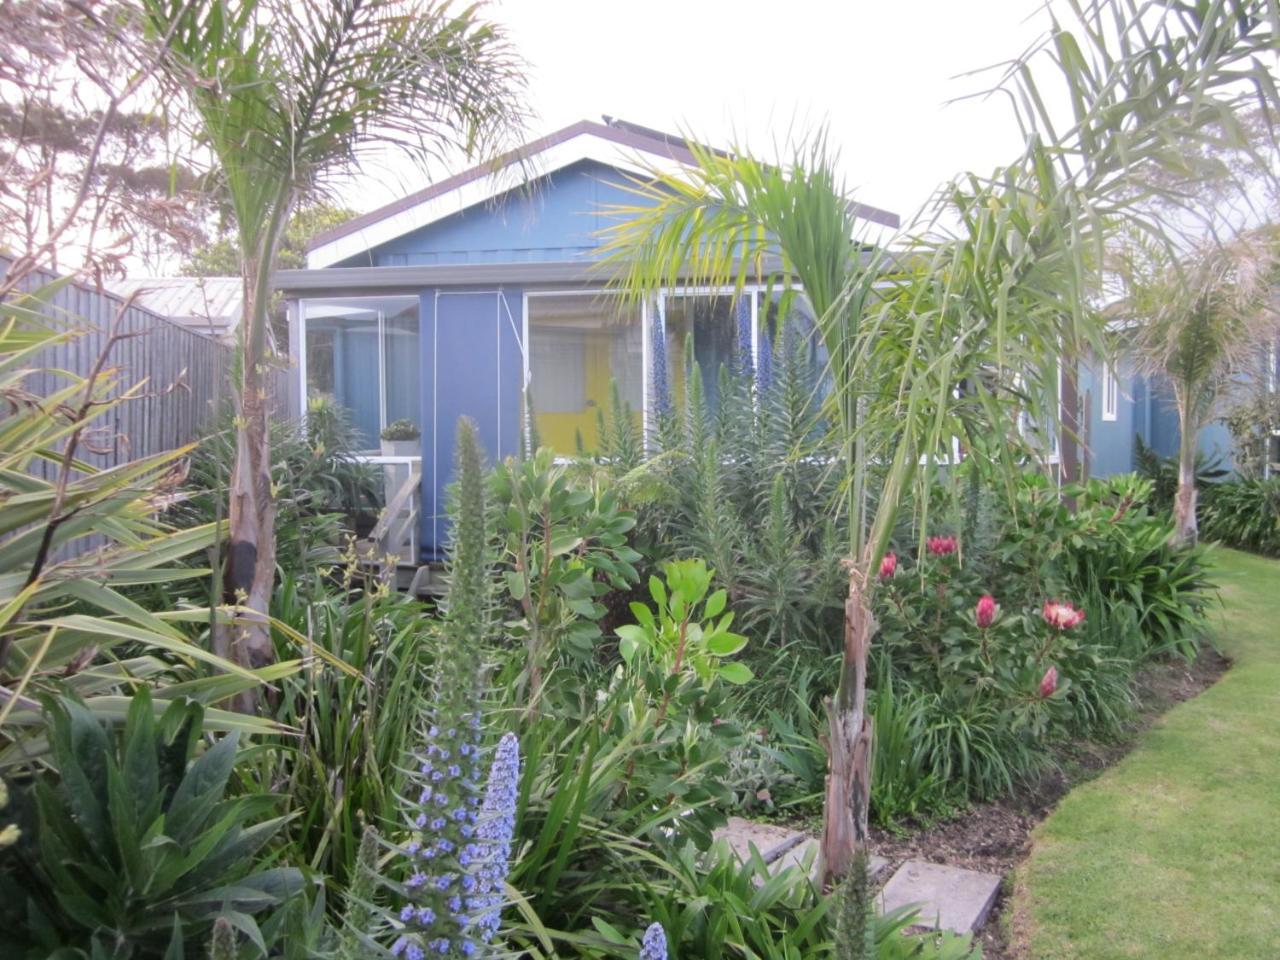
(412, 278)
(441, 275)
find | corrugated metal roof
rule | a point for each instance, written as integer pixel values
(211, 305)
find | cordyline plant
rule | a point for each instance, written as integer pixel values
(956, 335)
(288, 95)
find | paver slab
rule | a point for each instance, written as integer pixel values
(770, 839)
(949, 898)
(808, 851)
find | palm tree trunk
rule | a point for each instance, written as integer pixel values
(848, 787)
(1185, 529)
(250, 562)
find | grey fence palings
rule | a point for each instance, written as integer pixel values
(185, 374)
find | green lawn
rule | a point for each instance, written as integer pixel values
(1175, 851)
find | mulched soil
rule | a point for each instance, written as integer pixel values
(995, 837)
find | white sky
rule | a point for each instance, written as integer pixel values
(880, 73)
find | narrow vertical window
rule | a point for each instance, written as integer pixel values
(1110, 392)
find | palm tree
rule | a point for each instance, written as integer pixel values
(288, 96)
(958, 331)
(1199, 318)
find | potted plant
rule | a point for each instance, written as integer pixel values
(400, 439)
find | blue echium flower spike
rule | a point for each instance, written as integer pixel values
(494, 832)
(435, 921)
(764, 365)
(654, 944)
(660, 374)
(743, 343)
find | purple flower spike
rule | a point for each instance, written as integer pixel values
(654, 944)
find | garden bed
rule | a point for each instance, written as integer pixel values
(995, 837)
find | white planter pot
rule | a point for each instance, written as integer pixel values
(401, 448)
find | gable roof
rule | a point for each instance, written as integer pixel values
(617, 143)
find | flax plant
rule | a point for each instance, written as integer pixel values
(953, 332)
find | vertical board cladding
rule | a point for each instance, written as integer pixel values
(473, 366)
(1111, 442)
(557, 217)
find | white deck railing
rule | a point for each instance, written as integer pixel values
(395, 535)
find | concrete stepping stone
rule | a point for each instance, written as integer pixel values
(807, 851)
(770, 839)
(948, 898)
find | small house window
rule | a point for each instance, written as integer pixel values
(1110, 392)
(579, 345)
(363, 353)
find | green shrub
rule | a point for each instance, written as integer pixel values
(563, 547)
(1243, 513)
(136, 847)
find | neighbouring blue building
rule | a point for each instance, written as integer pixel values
(458, 298)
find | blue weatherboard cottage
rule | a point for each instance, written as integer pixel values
(456, 299)
(485, 288)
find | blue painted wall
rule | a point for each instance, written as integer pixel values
(1146, 409)
(472, 366)
(556, 220)
(1110, 443)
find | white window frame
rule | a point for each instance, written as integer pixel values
(647, 309)
(303, 394)
(1110, 393)
(1054, 456)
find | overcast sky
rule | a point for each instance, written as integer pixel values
(880, 73)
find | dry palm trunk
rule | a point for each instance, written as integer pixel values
(250, 562)
(848, 793)
(1185, 529)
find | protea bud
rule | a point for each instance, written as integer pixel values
(888, 566)
(985, 612)
(1049, 683)
(941, 546)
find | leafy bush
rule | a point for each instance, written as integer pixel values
(137, 849)
(564, 547)
(975, 681)
(1244, 513)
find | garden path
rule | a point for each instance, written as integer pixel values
(948, 897)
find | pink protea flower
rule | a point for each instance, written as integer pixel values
(888, 566)
(985, 612)
(1061, 615)
(1049, 683)
(941, 546)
